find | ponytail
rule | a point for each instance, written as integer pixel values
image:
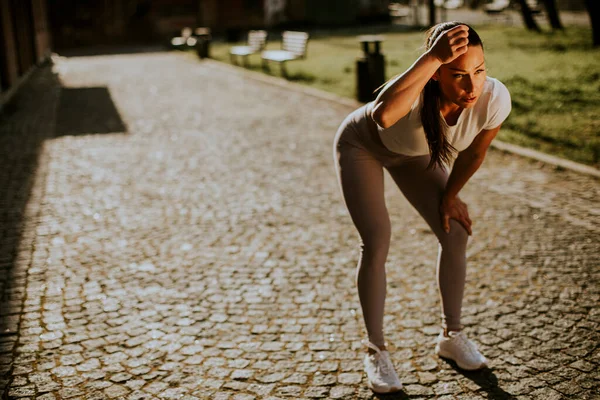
(440, 149)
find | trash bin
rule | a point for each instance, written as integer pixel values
(203, 38)
(370, 68)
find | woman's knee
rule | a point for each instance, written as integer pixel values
(456, 239)
(376, 246)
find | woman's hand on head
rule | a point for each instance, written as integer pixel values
(455, 208)
(451, 44)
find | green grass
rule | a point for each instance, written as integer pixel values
(554, 80)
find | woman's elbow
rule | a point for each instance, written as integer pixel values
(380, 116)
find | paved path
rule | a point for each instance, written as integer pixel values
(172, 229)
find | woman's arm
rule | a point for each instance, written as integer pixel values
(398, 95)
(467, 162)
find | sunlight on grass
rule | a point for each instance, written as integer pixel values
(554, 80)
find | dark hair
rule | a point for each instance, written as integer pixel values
(435, 131)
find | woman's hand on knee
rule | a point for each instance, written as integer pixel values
(455, 208)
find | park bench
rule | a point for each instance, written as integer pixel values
(398, 11)
(198, 38)
(293, 47)
(496, 6)
(449, 4)
(534, 6)
(499, 9)
(445, 5)
(500, 6)
(185, 39)
(257, 39)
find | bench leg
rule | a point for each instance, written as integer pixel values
(283, 71)
(246, 62)
(232, 58)
(264, 64)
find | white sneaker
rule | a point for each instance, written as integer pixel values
(457, 347)
(381, 375)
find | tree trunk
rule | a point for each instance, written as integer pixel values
(431, 13)
(593, 7)
(552, 12)
(474, 4)
(528, 17)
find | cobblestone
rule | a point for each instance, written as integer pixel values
(173, 229)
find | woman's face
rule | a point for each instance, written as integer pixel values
(462, 80)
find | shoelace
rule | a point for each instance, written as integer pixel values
(466, 345)
(383, 363)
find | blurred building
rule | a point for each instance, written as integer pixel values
(78, 23)
(24, 41)
(29, 27)
(319, 12)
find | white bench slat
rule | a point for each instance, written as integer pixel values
(257, 39)
(278, 55)
(496, 6)
(256, 42)
(242, 50)
(295, 42)
(293, 47)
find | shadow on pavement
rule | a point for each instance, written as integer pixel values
(42, 109)
(102, 50)
(25, 123)
(87, 110)
(391, 396)
(486, 380)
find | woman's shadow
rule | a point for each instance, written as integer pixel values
(484, 378)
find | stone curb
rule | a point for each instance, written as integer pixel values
(7, 96)
(546, 158)
(497, 144)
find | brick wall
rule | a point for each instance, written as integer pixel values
(24, 39)
(9, 66)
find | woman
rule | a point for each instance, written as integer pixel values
(443, 108)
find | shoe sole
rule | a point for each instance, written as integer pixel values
(449, 357)
(392, 390)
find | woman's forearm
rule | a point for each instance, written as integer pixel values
(464, 167)
(469, 161)
(398, 96)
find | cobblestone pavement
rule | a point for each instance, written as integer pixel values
(172, 229)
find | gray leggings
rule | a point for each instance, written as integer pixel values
(360, 158)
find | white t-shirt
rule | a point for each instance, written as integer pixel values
(408, 137)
